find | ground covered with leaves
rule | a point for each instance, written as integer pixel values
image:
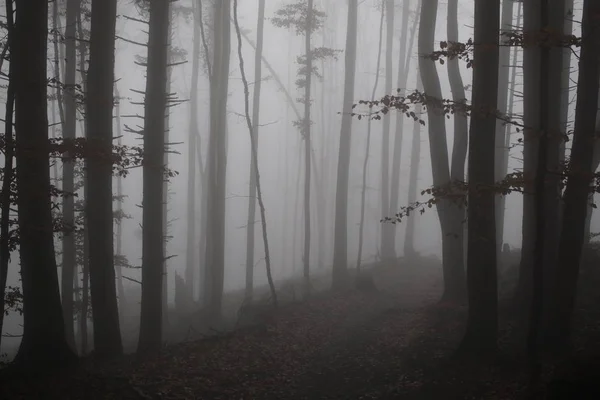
(393, 342)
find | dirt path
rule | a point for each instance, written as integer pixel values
(344, 346)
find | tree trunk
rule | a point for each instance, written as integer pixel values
(151, 322)
(99, 211)
(340, 247)
(415, 158)
(397, 156)
(217, 160)
(387, 245)
(578, 181)
(193, 135)
(482, 324)
(501, 126)
(307, 147)
(531, 111)
(368, 148)
(250, 228)
(68, 179)
(450, 219)
(119, 233)
(44, 343)
(9, 150)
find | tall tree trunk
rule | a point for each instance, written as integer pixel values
(250, 228)
(68, 183)
(363, 192)
(460, 142)
(399, 133)
(450, 219)
(9, 152)
(531, 111)
(119, 233)
(340, 247)
(44, 343)
(193, 135)
(482, 324)
(501, 126)
(99, 211)
(253, 130)
(415, 158)
(217, 160)
(578, 181)
(307, 147)
(153, 257)
(387, 246)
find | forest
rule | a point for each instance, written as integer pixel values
(283, 199)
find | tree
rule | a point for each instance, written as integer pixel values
(387, 245)
(250, 229)
(217, 159)
(68, 182)
(155, 104)
(99, 198)
(449, 215)
(403, 70)
(415, 158)
(252, 130)
(501, 126)
(340, 249)
(578, 181)
(363, 192)
(482, 325)
(44, 343)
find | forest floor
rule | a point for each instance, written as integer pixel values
(391, 343)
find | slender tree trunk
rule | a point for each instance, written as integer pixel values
(450, 220)
(340, 247)
(456, 210)
(578, 181)
(253, 130)
(193, 135)
(151, 323)
(217, 160)
(99, 211)
(415, 158)
(307, 146)
(68, 179)
(363, 192)
(501, 126)
(44, 343)
(397, 156)
(250, 228)
(482, 325)
(387, 246)
(119, 233)
(9, 151)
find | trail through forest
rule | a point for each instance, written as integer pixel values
(393, 341)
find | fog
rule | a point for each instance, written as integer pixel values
(280, 147)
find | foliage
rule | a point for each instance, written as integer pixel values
(13, 300)
(295, 16)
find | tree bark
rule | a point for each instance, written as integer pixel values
(450, 219)
(250, 229)
(217, 160)
(340, 246)
(578, 181)
(307, 147)
(415, 158)
(387, 245)
(482, 324)
(151, 318)
(68, 179)
(399, 132)
(501, 126)
(44, 343)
